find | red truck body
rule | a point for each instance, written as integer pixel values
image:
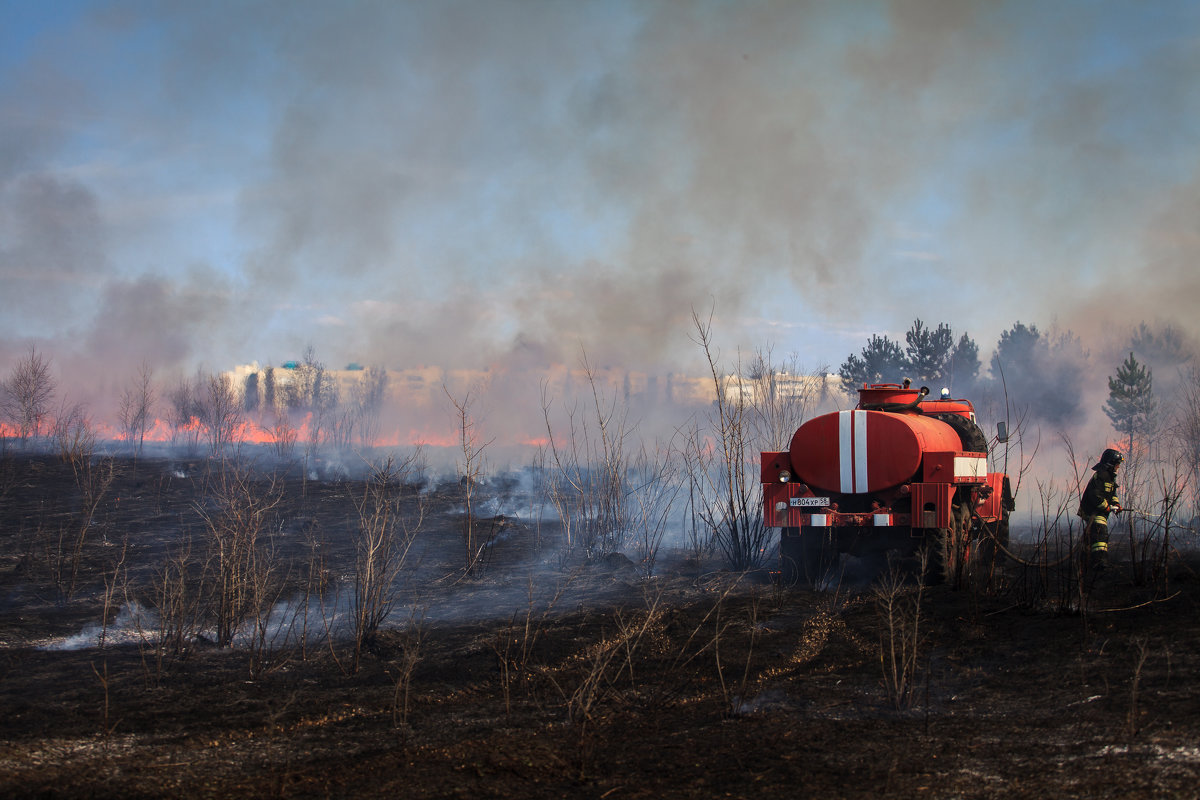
(897, 472)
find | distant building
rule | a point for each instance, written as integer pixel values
(422, 387)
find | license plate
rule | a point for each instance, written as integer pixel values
(808, 502)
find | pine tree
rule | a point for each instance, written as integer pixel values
(928, 352)
(882, 360)
(963, 369)
(930, 357)
(1131, 404)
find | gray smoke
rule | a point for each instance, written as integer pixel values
(508, 184)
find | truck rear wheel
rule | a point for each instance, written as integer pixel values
(947, 549)
(791, 556)
(805, 556)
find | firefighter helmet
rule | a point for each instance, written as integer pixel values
(1109, 458)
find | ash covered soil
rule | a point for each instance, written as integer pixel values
(541, 676)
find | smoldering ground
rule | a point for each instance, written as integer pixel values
(539, 677)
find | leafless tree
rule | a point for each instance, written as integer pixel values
(76, 440)
(780, 397)
(471, 466)
(311, 390)
(26, 394)
(901, 637)
(220, 413)
(178, 589)
(369, 395)
(383, 538)
(74, 435)
(283, 436)
(405, 666)
(340, 429)
(137, 408)
(237, 516)
(656, 483)
(722, 458)
(298, 390)
(184, 414)
(590, 473)
(1153, 531)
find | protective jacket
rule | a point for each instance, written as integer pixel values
(1100, 496)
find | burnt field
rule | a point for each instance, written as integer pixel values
(146, 650)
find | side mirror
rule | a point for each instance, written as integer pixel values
(1002, 432)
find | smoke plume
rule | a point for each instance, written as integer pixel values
(507, 185)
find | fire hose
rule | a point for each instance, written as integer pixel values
(1023, 562)
(1026, 563)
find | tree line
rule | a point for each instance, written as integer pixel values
(1041, 372)
(204, 409)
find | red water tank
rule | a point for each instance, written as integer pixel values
(855, 452)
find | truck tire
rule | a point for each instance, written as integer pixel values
(948, 549)
(805, 556)
(791, 556)
(972, 438)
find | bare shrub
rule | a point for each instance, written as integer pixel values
(73, 435)
(514, 643)
(1049, 569)
(183, 415)
(76, 439)
(1152, 528)
(340, 429)
(317, 581)
(237, 517)
(369, 394)
(283, 436)
(272, 620)
(118, 577)
(655, 486)
(137, 408)
(102, 677)
(901, 637)
(382, 540)
(722, 459)
(1185, 427)
(402, 669)
(177, 590)
(780, 397)
(609, 494)
(26, 394)
(220, 414)
(311, 390)
(470, 465)
(590, 683)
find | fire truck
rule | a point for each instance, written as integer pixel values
(899, 475)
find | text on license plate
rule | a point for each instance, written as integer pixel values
(807, 502)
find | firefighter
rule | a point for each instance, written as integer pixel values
(1098, 501)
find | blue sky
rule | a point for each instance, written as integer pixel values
(474, 183)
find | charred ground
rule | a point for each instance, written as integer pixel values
(546, 676)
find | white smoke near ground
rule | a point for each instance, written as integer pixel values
(281, 627)
(133, 624)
